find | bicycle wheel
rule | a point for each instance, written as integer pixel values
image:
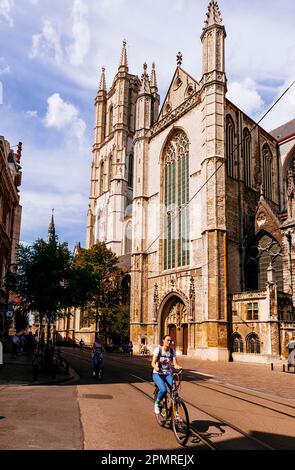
(163, 415)
(180, 422)
(100, 373)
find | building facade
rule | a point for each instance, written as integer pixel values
(202, 199)
(10, 220)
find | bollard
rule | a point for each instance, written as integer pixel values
(283, 367)
(271, 365)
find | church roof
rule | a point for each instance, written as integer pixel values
(284, 131)
(181, 87)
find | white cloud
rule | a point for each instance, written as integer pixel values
(284, 110)
(61, 115)
(5, 10)
(4, 68)
(244, 94)
(69, 211)
(47, 44)
(32, 114)
(81, 34)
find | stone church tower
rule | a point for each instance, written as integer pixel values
(111, 189)
(196, 193)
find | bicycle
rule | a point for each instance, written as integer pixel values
(97, 365)
(173, 407)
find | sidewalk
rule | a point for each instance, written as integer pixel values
(256, 377)
(19, 371)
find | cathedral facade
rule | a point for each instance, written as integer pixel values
(200, 201)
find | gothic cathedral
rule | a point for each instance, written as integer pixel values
(197, 201)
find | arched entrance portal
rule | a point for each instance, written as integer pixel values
(174, 323)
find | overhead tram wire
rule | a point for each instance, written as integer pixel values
(211, 176)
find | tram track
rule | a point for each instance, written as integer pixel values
(215, 389)
(218, 418)
(280, 408)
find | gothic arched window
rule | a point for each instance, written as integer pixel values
(263, 251)
(229, 142)
(290, 187)
(125, 286)
(176, 197)
(110, 169)
(267, 171)
(253, 343)
(130, 171)
(247, 157)
(238, 345)
(101, 178)
(128, 238)
(111, 117)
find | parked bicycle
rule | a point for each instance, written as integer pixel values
(173, 408)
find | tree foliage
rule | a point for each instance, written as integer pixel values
(105, 308)
(45, 279)
(48, 279)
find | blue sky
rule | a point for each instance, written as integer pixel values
(50, 61)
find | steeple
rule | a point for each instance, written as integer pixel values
(51, 229)
(213, 14)
(123, 61)
(154, 86)
(155, 96)
(212, 38)
(102, 84)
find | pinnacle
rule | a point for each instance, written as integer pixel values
(145, 84)
(153, 77)
(102, 84)
(123, 60)
(213, 14)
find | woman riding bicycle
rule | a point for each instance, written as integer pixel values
(164, 358)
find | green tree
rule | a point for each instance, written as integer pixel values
(46, 280)
(104, 307)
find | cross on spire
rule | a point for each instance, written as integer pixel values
(179, 59)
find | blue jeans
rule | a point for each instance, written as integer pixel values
(161, 380)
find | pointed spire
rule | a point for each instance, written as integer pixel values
(213, 14)
(154, 86)
(145, 84)
(51, 229)
(123, 60)
(102, 83)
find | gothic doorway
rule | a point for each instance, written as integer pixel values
(174, 322)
